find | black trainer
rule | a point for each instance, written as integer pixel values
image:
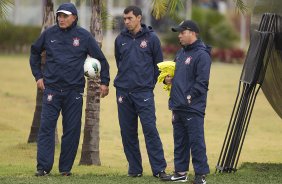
(134, 175)
(176, 177)
(200, 179)
(66, 173)
(41, 173)
(162, 175)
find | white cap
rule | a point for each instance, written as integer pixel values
(64, 11)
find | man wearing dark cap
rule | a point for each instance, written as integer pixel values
(188, 103)
(62, 81)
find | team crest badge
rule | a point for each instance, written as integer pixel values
(188, 60)
(143, 44)
(49, 97)
(75, 42)
(120, 99)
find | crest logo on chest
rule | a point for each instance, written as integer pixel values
(143, 44)
(188, 60)
(75, 42)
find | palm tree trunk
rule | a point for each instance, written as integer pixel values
(90, 154)
(48, 20)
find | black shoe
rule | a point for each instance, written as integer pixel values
(41, 173)
(66, 173)
(200, 179)
(176, 177)
(134, 175)
(162, 175)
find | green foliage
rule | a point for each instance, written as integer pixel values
(223, 36)
(240, 6)
(161, 8)
(15, 38)
(4, 6)
(174, 6)
(214, 28)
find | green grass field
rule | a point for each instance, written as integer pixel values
(260, 161)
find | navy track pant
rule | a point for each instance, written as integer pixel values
(70, 104)
(188, 133)
(130, 106)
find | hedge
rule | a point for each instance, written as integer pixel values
(17, 38)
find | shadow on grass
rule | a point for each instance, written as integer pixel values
(248, 173)
(262, 167)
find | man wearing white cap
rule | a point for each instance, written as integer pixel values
(67, 46)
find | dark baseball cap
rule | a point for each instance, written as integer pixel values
(186, 25)
(67, 8)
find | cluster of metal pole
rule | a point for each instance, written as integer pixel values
(259, 52)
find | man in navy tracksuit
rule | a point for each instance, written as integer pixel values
(188, 103)
(137, 52)
(67, 46)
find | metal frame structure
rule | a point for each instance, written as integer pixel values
(251, 80)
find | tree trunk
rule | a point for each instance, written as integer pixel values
(48, 20)
(90, 154)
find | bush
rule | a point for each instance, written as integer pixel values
(215, 30)
(17, 39)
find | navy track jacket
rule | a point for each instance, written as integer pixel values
(137, 58)
(66, 51)
(191, 77)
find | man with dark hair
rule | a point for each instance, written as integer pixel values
(188, 103)
(67, 46)
(137, 52)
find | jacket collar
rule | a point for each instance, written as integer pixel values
(144, 29)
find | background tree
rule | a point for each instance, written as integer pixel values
(90, 154)
(48, 20)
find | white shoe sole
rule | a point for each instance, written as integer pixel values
(186, 179)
